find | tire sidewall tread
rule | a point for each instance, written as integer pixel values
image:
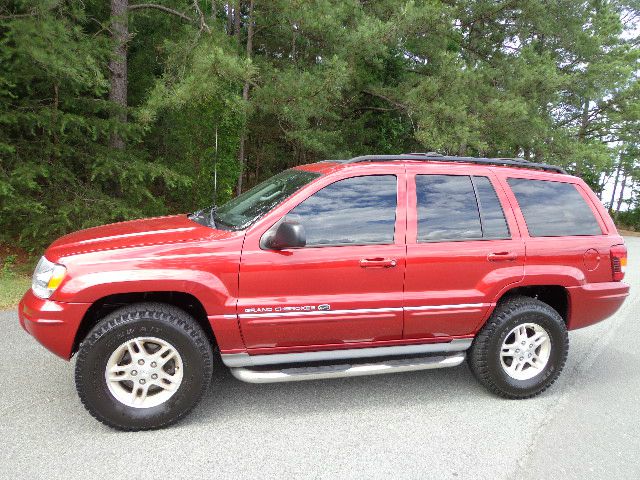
(484, 354)
(143, 319)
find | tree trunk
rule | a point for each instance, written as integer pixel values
(294, 35)
(118, 65)
(615, 186)
(56, 104)
(258, 159)
(245, 96)
(229, 19)
(622, 185)
(237, 12)
(584, 123)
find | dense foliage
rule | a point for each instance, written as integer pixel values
(256, 86)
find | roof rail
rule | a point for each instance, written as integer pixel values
(436, 157)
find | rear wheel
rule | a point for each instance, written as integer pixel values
(144, 366)
(521, 350)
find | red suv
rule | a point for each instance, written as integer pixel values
(376, 264)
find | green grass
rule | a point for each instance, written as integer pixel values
(12, 287)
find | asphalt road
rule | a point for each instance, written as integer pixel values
(435, 424)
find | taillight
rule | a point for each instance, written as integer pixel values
(618, 261)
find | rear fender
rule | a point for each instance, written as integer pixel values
(538, 276)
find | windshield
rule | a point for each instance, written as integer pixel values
(251, 205)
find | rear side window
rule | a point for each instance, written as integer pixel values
(353, 211)
(458, 207)
(494, 225)
(553, 209)
(447, 208)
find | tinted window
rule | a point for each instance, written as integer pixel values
(447, 208)
(358, 210)
(553, 209)
(494, 224)
(248, 207)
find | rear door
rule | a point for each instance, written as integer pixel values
(463, 249)
(565, 235)
(345, 287)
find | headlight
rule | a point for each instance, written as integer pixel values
(47, 277)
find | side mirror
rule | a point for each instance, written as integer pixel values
(288, 234)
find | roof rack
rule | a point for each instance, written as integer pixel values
(437, 157)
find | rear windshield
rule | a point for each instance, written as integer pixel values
(553, 209)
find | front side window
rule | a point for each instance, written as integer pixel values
(249, 207)
(458, 207)
(353, 211)
(553, 209)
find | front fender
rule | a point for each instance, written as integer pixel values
(206, 269)
(208, 288)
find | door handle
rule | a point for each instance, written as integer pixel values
(378, 262)
(502, 256)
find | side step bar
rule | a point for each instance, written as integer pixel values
(245, 360)
(295, 374)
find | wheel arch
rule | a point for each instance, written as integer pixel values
(107, 304)
(556, 296)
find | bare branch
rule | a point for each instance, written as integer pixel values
(17, 15)
(203, 24)
(398, 105)
(142, 6)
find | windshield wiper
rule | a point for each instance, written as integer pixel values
(205, 216)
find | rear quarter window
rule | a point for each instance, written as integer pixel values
(553, 209)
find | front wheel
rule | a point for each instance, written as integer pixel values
(144, 366)
(521, 350)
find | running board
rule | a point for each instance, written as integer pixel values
(295, 374)
(245, 360)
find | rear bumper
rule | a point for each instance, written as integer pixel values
(594, 302)
(53, 324)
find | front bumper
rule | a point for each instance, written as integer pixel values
(594, 302)
(53, 324)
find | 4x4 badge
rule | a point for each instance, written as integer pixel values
(324, 306)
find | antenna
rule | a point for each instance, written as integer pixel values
(215, 170)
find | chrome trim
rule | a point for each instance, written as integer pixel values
(447, 307)
(319, 312)
(246, 360)
(236, 359)
(342, 371)
(360, 310)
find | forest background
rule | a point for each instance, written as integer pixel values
(112, 110)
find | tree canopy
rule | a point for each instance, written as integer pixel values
(121, 109)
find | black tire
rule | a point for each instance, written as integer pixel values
(485, 351)
(164, 322)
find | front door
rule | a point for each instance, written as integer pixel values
(345, 286)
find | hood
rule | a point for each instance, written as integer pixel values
(134, 233)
